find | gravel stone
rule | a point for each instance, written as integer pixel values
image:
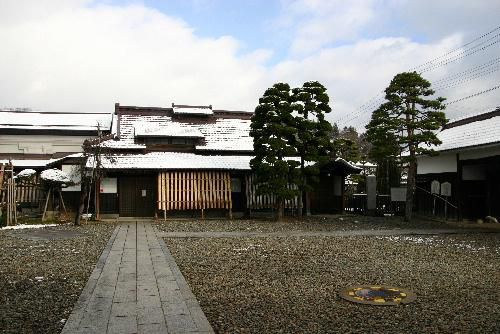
(291, 284)
(40, 280)
(313, 223)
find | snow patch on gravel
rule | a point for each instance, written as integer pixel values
(435, 241)
(246, 249)
(23, 226)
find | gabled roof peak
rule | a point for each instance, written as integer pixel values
(192, 110)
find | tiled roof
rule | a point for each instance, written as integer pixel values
(175, 160)
(227, 135)
(476, 133)
(220, 133)
(169, 129)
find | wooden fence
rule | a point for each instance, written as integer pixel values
(8, 193)
(256, 202)
(29, 193)
(194, 190)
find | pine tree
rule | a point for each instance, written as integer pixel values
(407, 122)
(313, 134)
(385, 153)
(273, 129)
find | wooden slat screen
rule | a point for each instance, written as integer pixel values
(29, 192)
(194, 190)
(255, 201)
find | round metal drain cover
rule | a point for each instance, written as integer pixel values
(377, 295)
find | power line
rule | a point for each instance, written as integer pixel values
(473, 95)
(455, 50)
(445, 82)
(460, 81)
(466, 72)
(458, 57)
(363, 124)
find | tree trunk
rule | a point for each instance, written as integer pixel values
(280, 208)
(301, 195)
(81, 205)
(410, 188)
(308, 204)
(300, 203)
(412, 168)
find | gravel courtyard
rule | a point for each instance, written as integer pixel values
(40, 280)
(291, 284)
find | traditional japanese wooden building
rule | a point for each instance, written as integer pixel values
(189, 160)
(466, 171)
(34, 139)
(193, 159)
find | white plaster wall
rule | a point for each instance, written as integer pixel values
(42, 144)
(478, 153)
(443, 163)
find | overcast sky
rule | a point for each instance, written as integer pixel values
(78, 55)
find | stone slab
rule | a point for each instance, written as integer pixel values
(136, 287)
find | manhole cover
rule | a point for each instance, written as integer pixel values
(377, 295)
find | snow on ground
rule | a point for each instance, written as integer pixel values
(435, 241)
(23, 226)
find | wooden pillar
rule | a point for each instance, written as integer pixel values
(458, 186)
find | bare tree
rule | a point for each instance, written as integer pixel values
(92, 171)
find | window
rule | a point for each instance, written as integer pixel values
(167, 141)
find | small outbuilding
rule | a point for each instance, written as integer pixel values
(466, 171)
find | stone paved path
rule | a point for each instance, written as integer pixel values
(136, 287)
(350, 233)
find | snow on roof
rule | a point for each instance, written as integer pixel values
(39, 120)
(363, 164)
(175, 160)
(227, 135)
(192, 110)
(122, 144)
(476, 133)
(168, 130)
(27, 163)
(348, 164)
(26, 173)
(55, 175)
(221, 134)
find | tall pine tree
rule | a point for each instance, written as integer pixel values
(408, 121)
(312, 139)
(273, 130)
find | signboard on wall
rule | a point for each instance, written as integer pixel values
(435, 185)
(446, 189)
(109, 185)
(398, 194)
